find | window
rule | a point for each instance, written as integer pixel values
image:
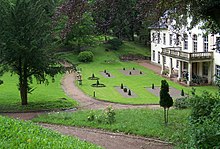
(217, 70)
(185, 44)
(205, 44)
(177, 39)
(164, 60)
(195, 43)
(158, 57)
(205, 68)
(177, 64)
(158, 38)
(171, 39)
(164, 38)
(218, 44)
(153, 55)
(153, 37)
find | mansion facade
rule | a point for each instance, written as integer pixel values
(191, 56)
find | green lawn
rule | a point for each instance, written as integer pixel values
(143, 122)
(110, 61)
(44, 97)
(26, 135)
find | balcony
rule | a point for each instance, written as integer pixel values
(176, 52)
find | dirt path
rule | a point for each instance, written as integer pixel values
(110, 140)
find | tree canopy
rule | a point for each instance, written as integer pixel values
(25, 36)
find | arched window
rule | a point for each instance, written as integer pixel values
(195, 45)
(205, 44)
(185, 44)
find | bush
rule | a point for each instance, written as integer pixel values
(85, 56)
(182, 93)
(122, 86)
(107, 116)
(204, 130)
(125, 89)
(152, 86)
(181, 103)
(129, 92)
(114, 44)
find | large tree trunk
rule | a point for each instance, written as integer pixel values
(23, 83)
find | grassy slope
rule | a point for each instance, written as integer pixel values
(142, 122)
(26, 135)
(110, 62)
(43, 98)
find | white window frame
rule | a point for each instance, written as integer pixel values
(205, 44)
(195, 43)
(185, 43)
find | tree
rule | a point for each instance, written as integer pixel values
(25, 33)
(180, 10)
(82, 33)
(166, 100)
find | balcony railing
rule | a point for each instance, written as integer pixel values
(176, 52)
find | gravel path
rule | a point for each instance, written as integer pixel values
(110, 140)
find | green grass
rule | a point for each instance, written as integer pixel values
(143, 122)
(44, 97)
(26, 135)
(110, 61)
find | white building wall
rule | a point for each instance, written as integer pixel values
(157, 47)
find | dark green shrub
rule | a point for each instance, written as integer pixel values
(123, 68)
(97, 82)
(141, 72)
(93, 76)
(152, 86)
(105, 71)
(122, 86)
(166, 100)
(182, 93)
(125, 90)
(129, 92)
(204, 126)
(130, 73)
(181, 103)
(114, 44)
(133, 68)
(85, 56)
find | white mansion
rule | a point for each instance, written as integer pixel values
(190, 56)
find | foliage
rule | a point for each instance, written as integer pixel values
(85, 56)
(181, 103)
(166, 100)
(152, 86)
(143, 122)
(204, 130)
(182, 92)
(24, 44)
(114, 44)
(129, 92)
(82, 33)
(107, 116)
(20, 135)
(122, 86)
(125, 89)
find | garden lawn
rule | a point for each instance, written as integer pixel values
(143, 122)
(26, 135)
(44, 97)
(109, 61)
